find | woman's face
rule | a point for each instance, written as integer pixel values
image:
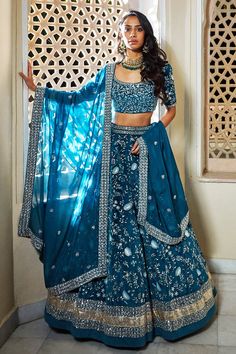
(132, 34)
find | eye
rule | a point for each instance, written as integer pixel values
(140, 29)
(127, 29)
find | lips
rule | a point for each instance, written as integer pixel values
(133, 42)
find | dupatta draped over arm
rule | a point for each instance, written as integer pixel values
(66, 197)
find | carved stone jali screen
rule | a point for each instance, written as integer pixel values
(221, 85)
(69, 40)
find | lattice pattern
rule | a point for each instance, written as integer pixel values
(221, 91)
(69, 40)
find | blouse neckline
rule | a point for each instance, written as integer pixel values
(124, 82)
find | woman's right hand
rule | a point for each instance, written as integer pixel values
(29, 79)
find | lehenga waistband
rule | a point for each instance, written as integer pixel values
(123, 129)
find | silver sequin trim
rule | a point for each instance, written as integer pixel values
(23, 226)
(121, 129)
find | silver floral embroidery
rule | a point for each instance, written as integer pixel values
(178, 271)
(134, 166)
(127, 251)
(128, 206)
(133, 97)
(115, 170)
(125, 295)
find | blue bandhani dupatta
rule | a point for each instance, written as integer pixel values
(67, 185)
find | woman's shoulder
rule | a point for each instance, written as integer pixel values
(167, 69)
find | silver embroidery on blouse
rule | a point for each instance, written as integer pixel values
(139, 97)
(133, 97)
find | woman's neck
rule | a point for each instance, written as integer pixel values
(133, 55)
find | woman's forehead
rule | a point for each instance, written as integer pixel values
(132, 21)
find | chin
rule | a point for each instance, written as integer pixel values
(135, 48)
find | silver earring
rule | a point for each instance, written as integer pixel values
(122, 47)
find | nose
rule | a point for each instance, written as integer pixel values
(133, 33)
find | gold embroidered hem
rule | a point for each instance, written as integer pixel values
(133, 322)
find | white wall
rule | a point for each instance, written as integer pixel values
(6, 258)
(28, 271)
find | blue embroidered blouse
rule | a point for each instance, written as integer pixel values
(139, 97)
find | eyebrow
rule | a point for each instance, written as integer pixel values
(134, 26)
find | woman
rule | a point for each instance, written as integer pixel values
(105, 208)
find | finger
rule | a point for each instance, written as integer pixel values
(30, 70)
(136, 151)
(24, 77)
(134, 146)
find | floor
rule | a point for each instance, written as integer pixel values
(219, 337)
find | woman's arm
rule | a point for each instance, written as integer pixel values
(28, 79)
(85, 93)
(170, 101)
(167, 118)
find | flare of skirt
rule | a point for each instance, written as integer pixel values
(151, 288)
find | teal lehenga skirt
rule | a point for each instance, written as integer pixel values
(152, 289)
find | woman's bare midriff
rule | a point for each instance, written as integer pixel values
(134, 119)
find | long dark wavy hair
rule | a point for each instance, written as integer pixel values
(154, 59)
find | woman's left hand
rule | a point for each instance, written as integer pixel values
(135, 148)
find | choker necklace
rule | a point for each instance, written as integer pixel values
(132, 64)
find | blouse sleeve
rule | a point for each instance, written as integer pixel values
(169, 86)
